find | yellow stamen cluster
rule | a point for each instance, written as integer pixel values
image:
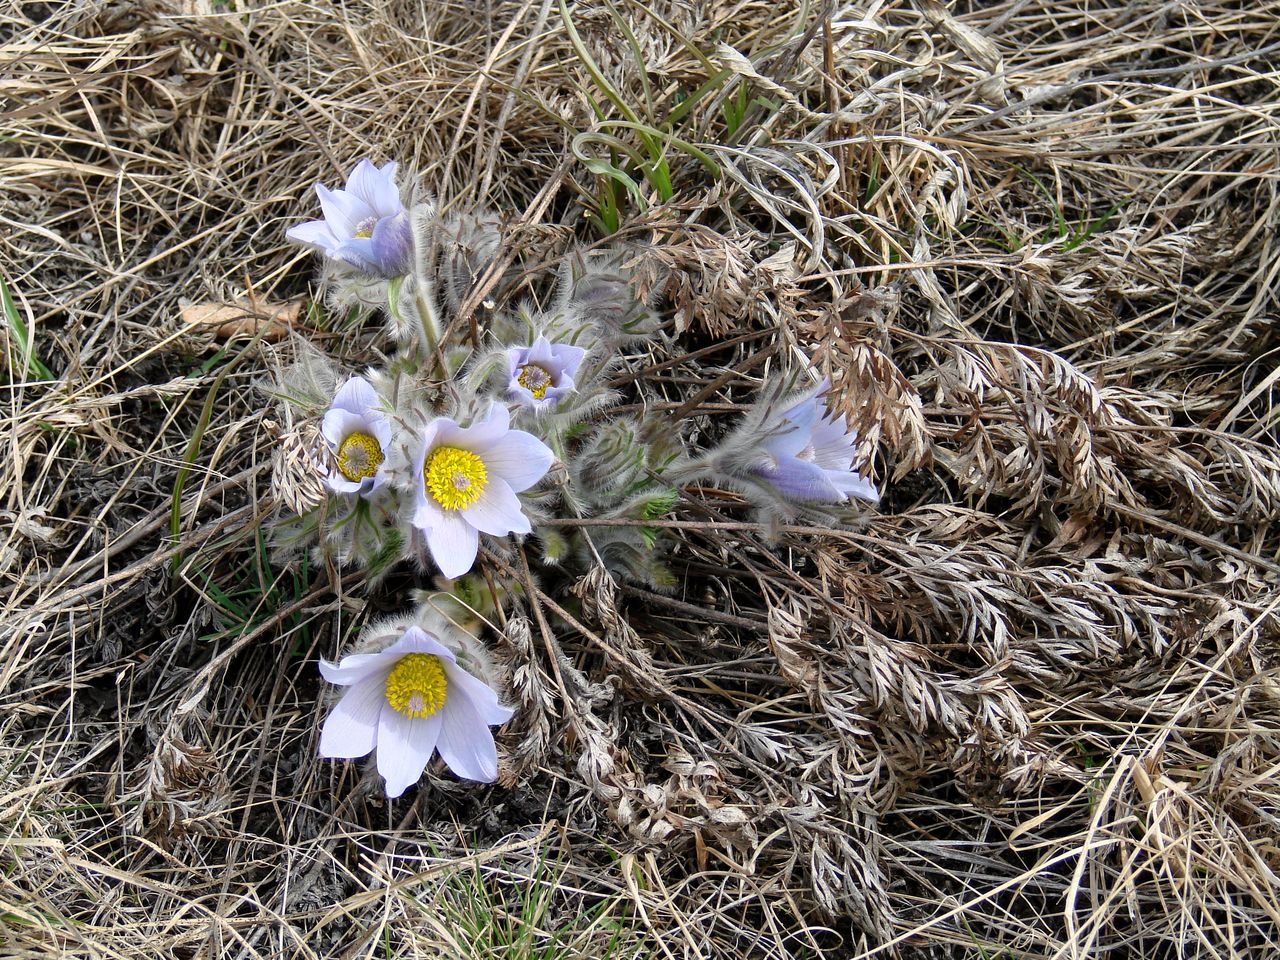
(535, 379)
(365, 227)
(417, 685)
(359, 456)
(454, 477)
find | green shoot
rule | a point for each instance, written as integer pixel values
(26, 364)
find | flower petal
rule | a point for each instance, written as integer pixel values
(565, 386)
(540, 352)
(427, 440)
(498, 510)
(806, 412)
(314, 233)
(340, 484)
(465, 743)
(483, 432)
(523, 395)
(417, 640)
(453, 544)
(570, 357)
(516, 358)
(339, 424)
(853, 484)
(356, 395)
(405, 745)
(342, 211)
(376, 187)
(380, 426)
(519, 458)
(357, 252)
(483, 698)
(833, 444)
(426, 514)
(801, 480)
(392, 244)
(350, 670)
(351, 729)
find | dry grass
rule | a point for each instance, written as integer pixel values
(1028, 708)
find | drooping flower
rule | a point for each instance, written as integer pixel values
(359, 436)
(543, 373)
(365, 225)
(466, 484)
(809, 455)
(408, 701)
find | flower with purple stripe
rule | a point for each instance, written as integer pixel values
(809, 455)
(365, 225)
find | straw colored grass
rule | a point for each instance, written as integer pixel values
(1027, 707)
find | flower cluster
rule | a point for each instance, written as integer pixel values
(473, 434)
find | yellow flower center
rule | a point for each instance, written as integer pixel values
(365, 227)
(454, 477)
(416, 686)
(535, 379)
(359, 456)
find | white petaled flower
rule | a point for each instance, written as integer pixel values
(359, 435)
(365, 225)
(408, 701)
(466, 483)
(809, 455)
(540, 374)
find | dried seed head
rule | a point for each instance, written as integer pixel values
(299, 464)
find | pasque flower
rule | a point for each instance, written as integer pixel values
(408, 701)
(466, 483)
(540, 374)
(365, 225)
(808, 455)
(359, 437)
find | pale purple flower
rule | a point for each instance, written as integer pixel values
(359, 436)
(466, 483)
(543, 373)
(364, 225)
(408, 701)
(809, 455)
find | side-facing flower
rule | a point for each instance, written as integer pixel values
(408, 701)
(809, 455)
(543, 373)
(359, 436)
(365, 225)
(466, 483)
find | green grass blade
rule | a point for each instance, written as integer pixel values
(638, 53)
(30, 365)
(593, 68)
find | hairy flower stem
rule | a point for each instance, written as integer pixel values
(429, 325)
(680, 473)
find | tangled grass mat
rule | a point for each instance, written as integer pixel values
(1027, 706)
